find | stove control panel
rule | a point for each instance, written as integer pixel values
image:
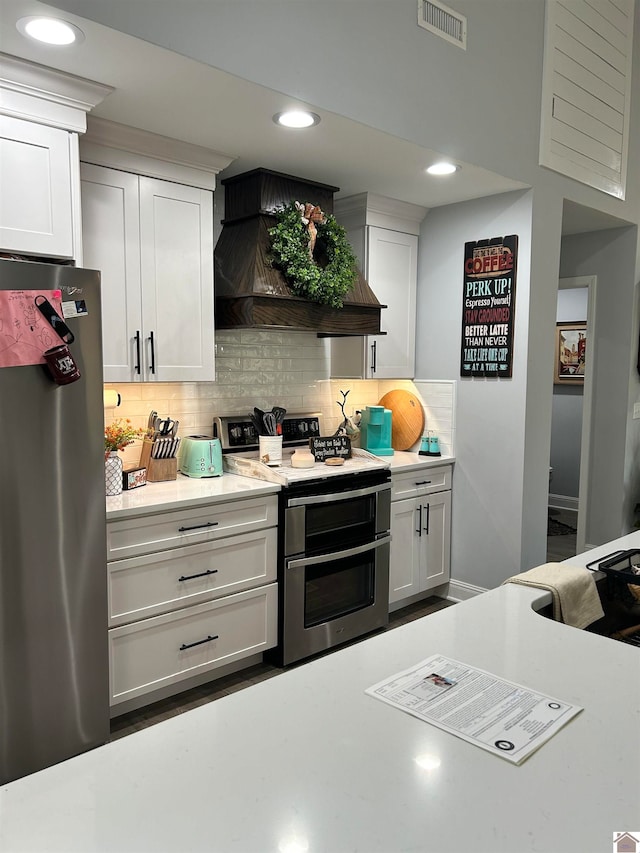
(236, 432)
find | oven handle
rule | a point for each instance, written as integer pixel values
(340, 496)
(338, 555)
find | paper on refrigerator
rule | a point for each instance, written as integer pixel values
(500, 716)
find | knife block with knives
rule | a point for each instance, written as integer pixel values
(157, 469)
(159, 449)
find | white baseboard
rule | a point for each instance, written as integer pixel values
(563, 502)
(462, 591)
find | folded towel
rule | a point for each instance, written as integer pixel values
(575, 596)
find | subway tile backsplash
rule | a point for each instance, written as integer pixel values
(268, 368)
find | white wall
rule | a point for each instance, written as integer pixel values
(488, 484)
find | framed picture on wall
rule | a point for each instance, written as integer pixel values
(571, 349)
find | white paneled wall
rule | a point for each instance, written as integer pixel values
(268, 368)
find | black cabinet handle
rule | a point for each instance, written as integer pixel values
(426, 529)
(419, 530)
(423, 483)
(198, 526)
(198, 642)
(153, 353)
(137, 367)
(199, 575)
(374, 350)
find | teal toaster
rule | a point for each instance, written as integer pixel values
(200, 456)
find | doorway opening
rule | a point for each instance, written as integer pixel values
(571, 422)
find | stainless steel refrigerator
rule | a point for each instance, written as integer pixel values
(54, 695)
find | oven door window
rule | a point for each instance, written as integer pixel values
(339, 525)
(334, 589)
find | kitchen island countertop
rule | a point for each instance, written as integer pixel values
(307, 761)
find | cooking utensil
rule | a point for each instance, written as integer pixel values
(279, 413)
(166, 426)
(257, 423)
(269, 421)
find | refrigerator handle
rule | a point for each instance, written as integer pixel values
(153, 353)
(137, 367)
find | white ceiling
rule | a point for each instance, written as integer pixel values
(166, 93)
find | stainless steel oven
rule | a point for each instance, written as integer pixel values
(334, 581)
(333, 537)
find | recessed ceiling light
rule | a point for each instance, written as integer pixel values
(50, 30)
(296, 118)
(442, 168)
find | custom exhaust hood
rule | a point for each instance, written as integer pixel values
(250, 292)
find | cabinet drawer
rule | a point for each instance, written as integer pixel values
(160, 531)
(151, 654)
(154, 583)
(416, 483)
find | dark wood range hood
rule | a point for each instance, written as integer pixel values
(250, 293)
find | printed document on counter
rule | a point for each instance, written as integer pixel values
(500, 716)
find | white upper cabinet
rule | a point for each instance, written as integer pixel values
(384, 236)
(147, 225)
(42, 111)
(152, 241)
(35, 189)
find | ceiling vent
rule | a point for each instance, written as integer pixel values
(443, 21)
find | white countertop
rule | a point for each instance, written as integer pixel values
(404, 460)
(185, 492)
(188, 491)
(308, 755)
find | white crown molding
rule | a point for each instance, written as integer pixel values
(118, 146)
(37, 93)
(372, 209)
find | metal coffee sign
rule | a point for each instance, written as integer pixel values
(488, 307)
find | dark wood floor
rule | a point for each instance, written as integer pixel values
(563, 546)
(148, 716)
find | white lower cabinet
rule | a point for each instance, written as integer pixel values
(194, 590)
(164, 650)
(421, 532)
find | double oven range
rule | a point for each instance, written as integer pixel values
(333, 539)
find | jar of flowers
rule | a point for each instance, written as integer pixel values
(117, 435)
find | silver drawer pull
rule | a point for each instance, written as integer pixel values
(199, 575)
(198, 642)
(198, 526)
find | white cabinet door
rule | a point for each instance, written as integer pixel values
(392, 270)
(111, 239)
(404, 558)
(36, 214)
(390, 265)
(435, 540)
(153, 242)
(176, 251)
(420, 553)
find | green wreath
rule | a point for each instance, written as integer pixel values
(325, 280)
